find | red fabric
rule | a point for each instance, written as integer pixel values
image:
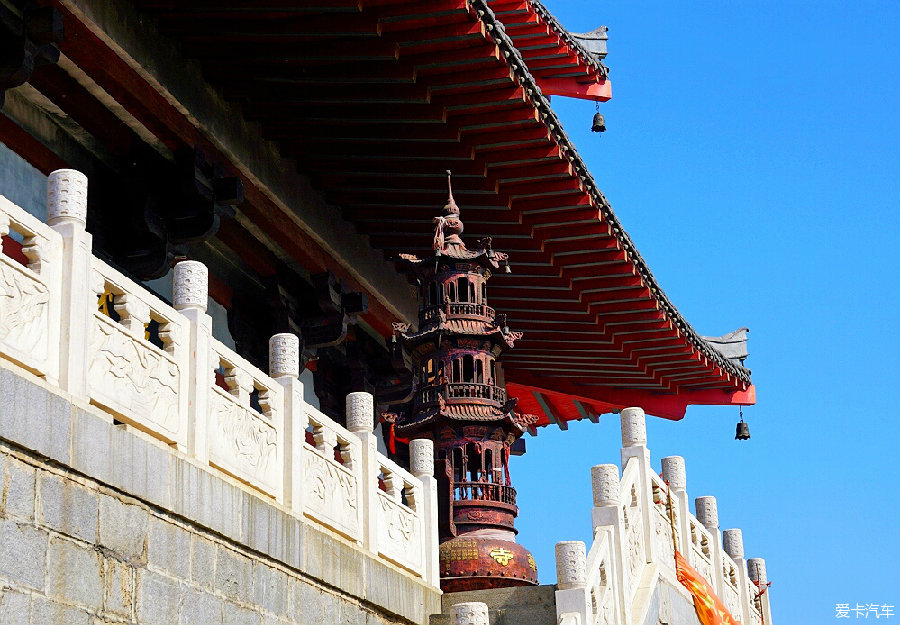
(506, 465)
(393, 439)
(710, 609)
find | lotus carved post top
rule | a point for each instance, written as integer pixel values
(458, 401)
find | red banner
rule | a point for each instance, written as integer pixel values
(710, 609)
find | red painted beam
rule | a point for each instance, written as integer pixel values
(598, 91)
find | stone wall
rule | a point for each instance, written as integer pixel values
(99, 520)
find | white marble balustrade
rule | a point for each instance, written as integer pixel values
(333, 486)
(142, 383)
(634, 518)
(30, 292)
(401, 534)
(77, 322)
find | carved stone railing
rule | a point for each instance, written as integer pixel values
(633, 548)
(246, 421)
(730, 592)
(701, 556)
(484, 491)
(401, 536)
(30, 291)
(142, 382)
(661, 526)
(332, 485)
(80, 324)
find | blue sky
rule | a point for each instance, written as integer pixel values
(753, 154)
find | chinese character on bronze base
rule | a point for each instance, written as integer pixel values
(459, 402)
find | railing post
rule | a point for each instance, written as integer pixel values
(190, 291)
(360, 421)
(634, 445)
(284, 368)
(67, 215)
(606, 516)
(673, 471)
(470, 613)
(421, 453)
(733, 543)
(756, 570)
(573, 595)
(708, 515)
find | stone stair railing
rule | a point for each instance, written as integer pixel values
(633, 537)
(70, 318)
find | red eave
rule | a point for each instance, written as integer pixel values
(424, 87)
(558, 67)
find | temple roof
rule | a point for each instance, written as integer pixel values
(374, 100)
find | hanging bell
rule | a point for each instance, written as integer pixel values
(599, 124)
(743, 431)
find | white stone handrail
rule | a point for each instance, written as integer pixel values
(30, 291)
(333, 486)
(632, 552)
(138, 373)
(245, 426)
(77, 322)
(401, 535)
(660, 523)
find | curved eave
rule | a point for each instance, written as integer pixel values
(374, 101)
(558, 62)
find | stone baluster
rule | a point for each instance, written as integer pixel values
(634, 445)
(360, 420)
(756, 570)
(284, 368)
(609, 524)
(470, 613)
(421, 453)
(67, 215)
(572, 595)
(733, 544)
(707, 512)
(190, 292)
(673, 472)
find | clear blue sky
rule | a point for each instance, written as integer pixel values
(753, 154)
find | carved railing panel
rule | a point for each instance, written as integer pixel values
(660, 525)
(332, 485)
(600, 580)
(632, 511)
(751, 591)
(142, 383)
(400, 524)
(731, 594)
(701, 550)
(30, 291)
(244, 428)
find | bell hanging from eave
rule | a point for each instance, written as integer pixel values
(599, 124)
(743, 431)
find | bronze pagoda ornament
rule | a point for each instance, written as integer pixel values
(459, 401)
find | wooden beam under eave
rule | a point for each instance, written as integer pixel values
(115, 48)
(596, 91)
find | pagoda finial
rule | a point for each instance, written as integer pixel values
(450, 208)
